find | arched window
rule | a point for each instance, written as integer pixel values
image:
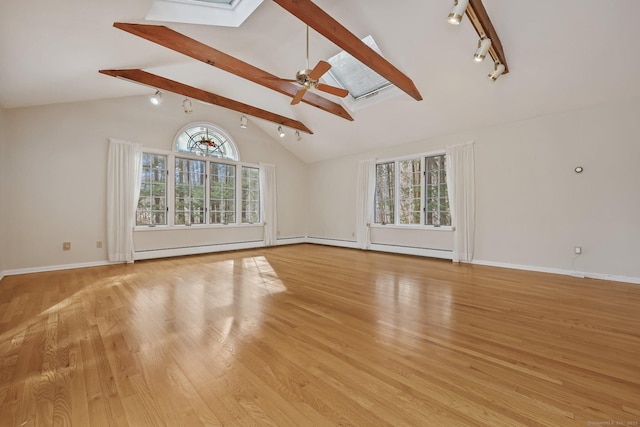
(200, 182)
(206, 139)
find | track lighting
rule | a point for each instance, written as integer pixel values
(483, 47)
(280, 132)
(243, 122)
(156, 98)
(498, 69)
(298, 136)
(186, 104)
(459, 7)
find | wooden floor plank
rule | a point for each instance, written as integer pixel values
(311, 335)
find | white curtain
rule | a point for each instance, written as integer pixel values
(268, 202)
(461, 185)
(124, 172)
(366, 185)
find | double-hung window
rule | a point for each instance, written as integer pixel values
(250, 195)
(200, 184)
(189, 189)
(222, 193)
(152, 204)
(412, 192)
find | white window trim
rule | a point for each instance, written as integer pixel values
(171, 165)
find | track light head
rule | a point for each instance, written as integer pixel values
(186, 105)
(298, 136)
(457, 12)
(243, 122)
(498, 69)
(483, 48)
(280, 132)
(156, 98)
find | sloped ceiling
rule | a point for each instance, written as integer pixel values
(561, 55)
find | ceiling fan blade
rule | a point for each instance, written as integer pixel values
(178, 42)
(320, 68)
(159, 82)
(299, 95)
(338, 91)
(309, 13)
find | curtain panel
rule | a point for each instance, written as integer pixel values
(461, 185)
(366, 183)
(124, 170)
(268, 201)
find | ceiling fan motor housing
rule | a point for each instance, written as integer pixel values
(303, 79)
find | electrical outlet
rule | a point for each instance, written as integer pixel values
(577, 250)
(99, 244)
(66, 246)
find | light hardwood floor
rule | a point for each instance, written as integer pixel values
(311, 335)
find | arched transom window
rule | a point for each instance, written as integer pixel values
(206, 139)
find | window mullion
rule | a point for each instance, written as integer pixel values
(239, 194)
(423, 186)
(171, 178)
(396, 193)
(207, 192)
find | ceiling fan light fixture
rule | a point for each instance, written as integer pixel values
(457, 12)
(244, 122)
(498, 69)
(484, 44)
(281, 132)
(156, 98)
(186, 105)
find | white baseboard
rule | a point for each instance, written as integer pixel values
(197, 250)
(433, 253)
(332, 242)
(578, 274)
(291, 241)
(409, 250)
(56, 267)
(396, 249)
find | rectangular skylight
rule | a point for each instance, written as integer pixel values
(217, 1)
(356, 77)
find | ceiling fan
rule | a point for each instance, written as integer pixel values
(309, 79)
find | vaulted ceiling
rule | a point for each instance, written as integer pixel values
(561, 56)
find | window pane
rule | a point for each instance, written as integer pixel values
(437, 197)
(410, 172)
(385, 188)
(206, 140)
(152, 204)
(250, 195)
(222, 193)
(189, 191)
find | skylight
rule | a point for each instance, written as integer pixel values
(356, 77)
(216, 1)
(226, 13)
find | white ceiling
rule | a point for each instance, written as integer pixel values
(562, 55)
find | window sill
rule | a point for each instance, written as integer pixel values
(144, 228)
(414, 227)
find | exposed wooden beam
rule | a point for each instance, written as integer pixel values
(319, 20)
(178, 42)
(482, 23)
(173, 86)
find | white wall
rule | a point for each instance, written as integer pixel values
(3, 201)
(56, 168)
(532, 208)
